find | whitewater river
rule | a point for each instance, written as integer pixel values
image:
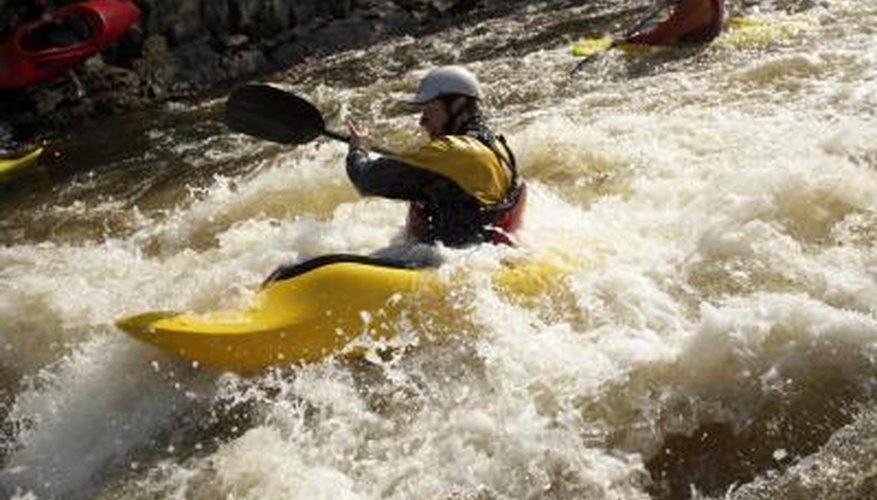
(714, 334)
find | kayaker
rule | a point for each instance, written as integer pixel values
(462, 185)
(691, 22)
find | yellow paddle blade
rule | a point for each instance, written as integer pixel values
(591, 46)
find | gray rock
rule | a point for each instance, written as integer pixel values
(188, 46)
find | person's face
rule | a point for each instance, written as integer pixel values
(433, 117)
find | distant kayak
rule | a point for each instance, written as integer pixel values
(19, 162)
(41, 50)
(741, 32)
(314, 311)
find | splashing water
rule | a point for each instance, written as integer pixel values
(714, 334)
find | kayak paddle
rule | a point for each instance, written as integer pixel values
(278, 116)
(591, 48)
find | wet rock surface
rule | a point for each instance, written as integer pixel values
(185, 47)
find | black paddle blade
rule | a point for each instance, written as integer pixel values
(273, 114)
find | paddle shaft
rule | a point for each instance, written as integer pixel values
(339, 136)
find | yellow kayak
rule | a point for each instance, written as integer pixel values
(314, 313)
(10, 165)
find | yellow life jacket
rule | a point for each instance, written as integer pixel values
(484, 168)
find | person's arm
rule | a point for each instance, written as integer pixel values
(687, 16)
(408, 177)
(389, 178)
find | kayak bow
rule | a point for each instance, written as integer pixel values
(13, 165)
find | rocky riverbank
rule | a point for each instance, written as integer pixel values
(185, 47)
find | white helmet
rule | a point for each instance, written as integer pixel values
(446, 80)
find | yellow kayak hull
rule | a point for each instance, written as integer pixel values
(314, 315)
(12, 165)
(298, 320)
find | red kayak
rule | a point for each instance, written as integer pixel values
(43, 49)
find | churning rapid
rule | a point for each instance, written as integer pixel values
(713, 335)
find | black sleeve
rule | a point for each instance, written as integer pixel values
(389, 178)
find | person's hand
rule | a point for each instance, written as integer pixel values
(360, 137)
